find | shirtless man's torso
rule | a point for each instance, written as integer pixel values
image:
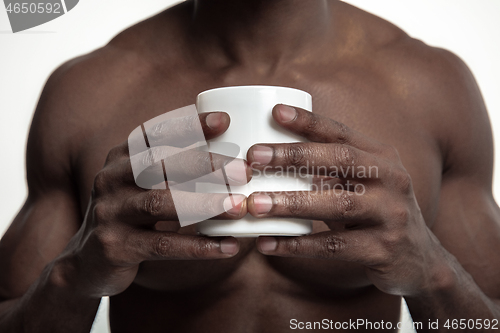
(360, 70)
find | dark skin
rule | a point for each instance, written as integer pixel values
(427, 227)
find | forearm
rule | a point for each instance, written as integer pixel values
(454, 296)
(52, 304)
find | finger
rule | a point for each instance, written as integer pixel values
(356, 246)
(318, 128)
(148, 207)
(155, 245)
(184, 131)
(176, 132)
(177, 165)
(148, 169)
(325, 159)
(331, 205)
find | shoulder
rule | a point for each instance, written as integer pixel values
(82, 93)
(82, 84)
(71, 105)
(442, 91)
(405, 61)
(126, 59)
(438, 91)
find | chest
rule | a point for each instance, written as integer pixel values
(367, 106)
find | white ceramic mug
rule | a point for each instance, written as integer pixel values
(250, 109)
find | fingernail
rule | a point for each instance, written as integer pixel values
(287, 113)
(262, 203)
(262, 154)
(268, 244)
(229, 246)
(233, 204)
(236, 171)
(213, 120)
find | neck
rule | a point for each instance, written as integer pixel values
(253, 31)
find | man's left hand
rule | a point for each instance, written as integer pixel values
(364, 195)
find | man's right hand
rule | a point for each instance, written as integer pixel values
(119, 232)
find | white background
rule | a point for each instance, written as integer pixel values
(471, 29)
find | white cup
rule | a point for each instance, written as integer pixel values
(250, 109)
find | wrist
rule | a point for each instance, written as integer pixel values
(443, 275)
(54, 303)
(443, 280)
(66, 276)
(450, 293)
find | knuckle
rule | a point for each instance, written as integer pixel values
(346, 205)
(100, 182)
(295, 155)
(114, 154)
(202, 248)
(293, 246)
(148, 158)
(154, 203)
(380, 258)
(153, 156)
(342, 132)
(313, 123)
(400, 214)
(388, 151)
(204, 163)
(163, 246)
(334, 245)
(391, 243)
(393, 152)
(402, 179)
(296, 204)
(344, 155)
(156, 131)
(101, 213)
(110, 243)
